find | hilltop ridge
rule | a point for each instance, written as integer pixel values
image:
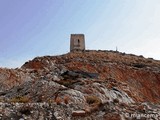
(82, 85)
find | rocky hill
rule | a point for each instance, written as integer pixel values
(89, 85)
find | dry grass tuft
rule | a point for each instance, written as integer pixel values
(93, 100)
(20, 99)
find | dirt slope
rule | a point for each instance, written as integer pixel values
(104, 85)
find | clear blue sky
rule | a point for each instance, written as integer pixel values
(30, 28)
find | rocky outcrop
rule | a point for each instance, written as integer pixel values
(80, 86)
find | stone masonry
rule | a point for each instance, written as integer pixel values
(77, 42)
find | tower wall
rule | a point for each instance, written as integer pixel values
(77, 42)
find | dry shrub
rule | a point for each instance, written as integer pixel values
(66, 83)
(116, 100)
(139, 65)
(58, 100)
(66, 99)
(94, 104)
(26, 110)
(1, 100)
(93, 100)
(20, 99)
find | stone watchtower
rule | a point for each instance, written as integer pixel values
(77, 42)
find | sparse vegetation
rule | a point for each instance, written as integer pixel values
(26, 110)
(67, 83)
(20, 99)
(1, 100)
(139, 65)
(58, 100)
(93, 100)
(116, 100)
(79, 90)
(66, 99)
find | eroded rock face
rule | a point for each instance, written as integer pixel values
(80, 86)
